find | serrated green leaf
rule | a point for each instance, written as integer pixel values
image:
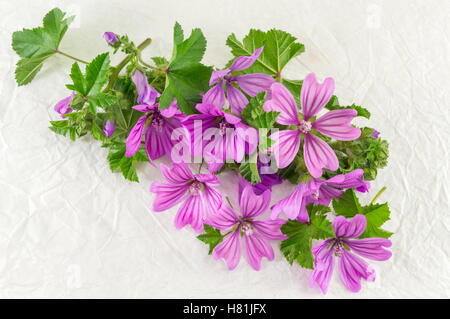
(279, 48)
(376, 215)
(347, 204)
(96, 74)
(186, 77)
(27, 68)
(333, 104)
(59, 127)
(101, 100)
(249, 169)
(79, 82)
(254, 114)
(97, 132)
(118, 161)
(38, 44)
(297, 248)
(160, 62)
(212, 237)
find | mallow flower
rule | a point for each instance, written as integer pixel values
(222, 136)
(156, 125)
(335, 124)
(222, 81)
(197, 193)
(267, 180)
(345, 247)
(110, 37)
(109, 128)
(63, 106)
(318, 191)
(255, 234)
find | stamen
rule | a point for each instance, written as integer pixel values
(304, 126)
(247, 228)
(338, 248)
(195, 187)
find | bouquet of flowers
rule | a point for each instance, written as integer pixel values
(245, 118)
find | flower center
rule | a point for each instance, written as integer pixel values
(304, 126)
(315, 195)
(247, 228)
(195, 187)
(338, 248)
(223, 125)
(157, 122)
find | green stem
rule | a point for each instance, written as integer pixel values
(71, 57)
(121, 65)
(381, 191)
(148, 65)
(229, 202)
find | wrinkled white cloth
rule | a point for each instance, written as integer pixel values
(71, 228)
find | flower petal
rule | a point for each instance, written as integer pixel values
(352, 269)
(336, 124)
(270, 229)
(218, 75)
(146, 93)
(371, 248)
(215, 96)
(62, 107)
(209, 109)
(323, 266)
(314, 95)
(191, 213)
(167, 195)
(349, 228)
(244, 62)
(254, 83)
(158, 140)
(211, 201)
(179, 174)
(294, 206)
(229, 249)
(285, 147)
(133, 141)
(236, 99)
(225, 218)
(256, 248)
(253, 205)
(282, 101)
(318, 155)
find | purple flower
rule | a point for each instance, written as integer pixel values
(344, 247)
(63, 106)
(109, 128)
(223, 135)
(251, 84)
(375, 134)
(156, 125)
(255, 233)
(334, 124)
(197, 192)
(317, 191)
(110, 37)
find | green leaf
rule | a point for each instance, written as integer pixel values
(100, 100)
(377, 215)
(27, 68)
(38, 44)
(254, 114)
(96, 74)
(347, 204)
(186, 76)
(295, 87)
(211, 237)
(118, 161)
(249, 169)
(333, 104)
(160, 62)
(279, 48)
(79, 82)
(97, 132)
(297, 248)
(42, 40)
(60, 127)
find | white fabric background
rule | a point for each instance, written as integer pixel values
(71, 228)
